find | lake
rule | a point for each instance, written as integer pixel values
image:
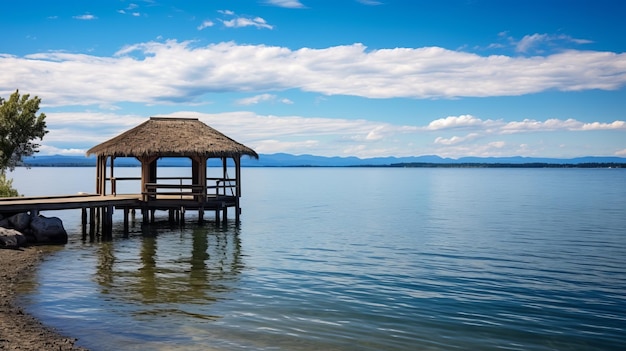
(351, 259)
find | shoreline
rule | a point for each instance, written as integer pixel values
(18, 329)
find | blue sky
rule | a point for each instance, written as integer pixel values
(359, 78)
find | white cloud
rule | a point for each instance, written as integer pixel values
(615, 125)
(463, 121)
(456, 139)
(86, 17)
(179, 72)
(530, 40)
(241, 22)
(529, 125)
(535, 41)
(294, 4)
(206, 24)
(75, 132)
(262, 98)
(370, 2)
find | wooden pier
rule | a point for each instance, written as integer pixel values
(97, 210)
(149, 142)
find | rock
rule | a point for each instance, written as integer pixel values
(48, 230)
(20, 221)
(11, 239)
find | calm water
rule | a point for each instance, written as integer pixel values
(353, 259)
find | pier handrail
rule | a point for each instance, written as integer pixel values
(222, 187)
(152, 190)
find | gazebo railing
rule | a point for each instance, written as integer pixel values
(181, 187)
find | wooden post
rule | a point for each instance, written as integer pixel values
(84, 222)
(110, 211)
(224, 174)
(126, 221)
(238, 188)
(237, 211)
(237, 176)
(92, 223)
(113, 185)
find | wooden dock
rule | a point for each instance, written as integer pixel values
(97, 210)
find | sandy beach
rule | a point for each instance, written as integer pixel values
(18, 330)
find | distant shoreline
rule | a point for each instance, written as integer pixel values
(288, 160)
(394, 165)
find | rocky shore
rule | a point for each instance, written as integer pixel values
(19, 330)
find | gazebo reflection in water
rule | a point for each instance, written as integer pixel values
(193, 266)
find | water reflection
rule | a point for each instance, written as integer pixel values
(161, 265)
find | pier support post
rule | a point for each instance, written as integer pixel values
(237, 211)
(92, 223)
(83, 218)
(126, 211)
(201, 215)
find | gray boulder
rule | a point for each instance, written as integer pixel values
(48, 230)
(11, 239)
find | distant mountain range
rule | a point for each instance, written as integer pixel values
(288, 160)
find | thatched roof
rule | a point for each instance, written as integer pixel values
(172, 137)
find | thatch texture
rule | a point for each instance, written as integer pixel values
(172, 137)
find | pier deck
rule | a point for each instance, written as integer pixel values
(100, 207)
(65, 202)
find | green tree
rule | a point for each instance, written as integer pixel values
(19, 128)
(6, 187)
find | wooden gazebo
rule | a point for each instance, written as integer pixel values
(161, 137)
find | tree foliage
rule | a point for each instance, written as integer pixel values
(6, 186)
(20, 127)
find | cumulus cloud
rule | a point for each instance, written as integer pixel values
(174, 72)
(463, 121)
